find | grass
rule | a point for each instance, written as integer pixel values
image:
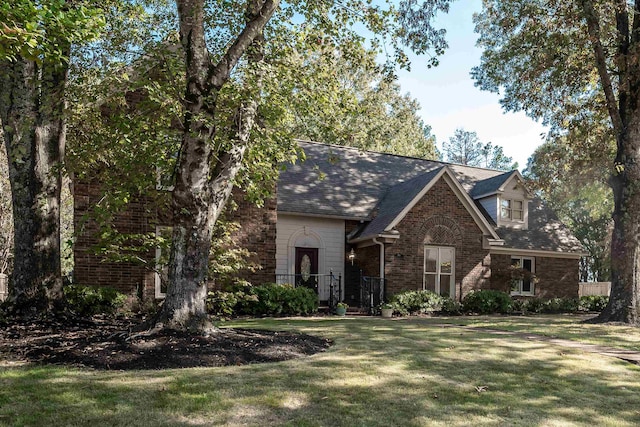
(380, 372)
(570, 327)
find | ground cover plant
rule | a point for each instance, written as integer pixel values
(379, 372)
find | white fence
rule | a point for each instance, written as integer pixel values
(595, 288)
(4, 282)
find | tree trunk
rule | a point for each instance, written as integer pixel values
(624, 300)
(31, 111)
(624, 111)
(204, 178)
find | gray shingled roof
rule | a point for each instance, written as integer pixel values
(490, 185)
(545, 233)
(394, 201)
(348, 183)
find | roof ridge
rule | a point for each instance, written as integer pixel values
(352, 148)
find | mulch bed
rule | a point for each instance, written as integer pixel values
(108, 344)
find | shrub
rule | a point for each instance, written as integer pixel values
(553, 305)
(225, 304)
(416, 302)
(560, 305)
(450, 306)
(533, 305)
(593, 302)
(272, 299)
(487, 301)
(90, 300)
(518, 305)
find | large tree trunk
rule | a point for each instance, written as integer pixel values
(31, 111)
(624, 300)
(624, 110)
(204, 178)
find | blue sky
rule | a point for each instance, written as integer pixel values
(450, 100)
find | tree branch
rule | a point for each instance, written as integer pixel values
(258, 14)
(593, 27)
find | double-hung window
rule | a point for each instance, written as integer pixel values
(439, 270)
(512, 210)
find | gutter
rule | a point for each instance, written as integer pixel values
(383, 291)
(387, 237)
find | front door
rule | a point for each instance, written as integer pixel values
(307, 267)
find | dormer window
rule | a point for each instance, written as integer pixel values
(512, 210)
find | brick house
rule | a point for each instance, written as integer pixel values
(402, 222)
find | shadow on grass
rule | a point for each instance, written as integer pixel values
(378, 373)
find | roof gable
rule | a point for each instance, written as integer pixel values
(490, 185)
(498, 184)
(516, 180)
(400, 199)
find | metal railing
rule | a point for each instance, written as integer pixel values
(371, 292)
(327, 286)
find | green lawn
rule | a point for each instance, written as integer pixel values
(380, 372)
(568, 327)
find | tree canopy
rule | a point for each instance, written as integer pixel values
(574, 184)
(575, 66)
(465, 148)
(224, 107)
(361, 106)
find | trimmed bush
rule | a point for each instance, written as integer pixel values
(267, 300)
(487, 301)
(416, 302)
(90, 300)
(560, 305)
(533, 305)
(450, 306)
(593, 302)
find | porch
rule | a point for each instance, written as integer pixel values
(358, 291)
(327, 286)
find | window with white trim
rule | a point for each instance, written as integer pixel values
(439, 270)
(512, 210)
(525, 284)
(163, 234)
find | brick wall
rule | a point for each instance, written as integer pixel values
(91, 269)
(500, 274)
(368, 260)
(558, 277)
(440, 219)
(257, 234)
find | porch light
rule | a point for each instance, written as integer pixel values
(352, 256)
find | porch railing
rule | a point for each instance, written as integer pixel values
(327, 286)
(371, 292)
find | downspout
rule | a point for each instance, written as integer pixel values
(383, 290)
